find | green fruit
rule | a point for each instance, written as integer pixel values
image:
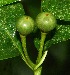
(25, 25)
(45, 21)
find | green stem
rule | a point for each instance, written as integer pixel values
(23, 57)
(41, 60)
(43, 36)
(38, 71)
(23, 40)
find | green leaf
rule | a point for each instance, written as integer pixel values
(37, 43)
(4, 2)
(62, 33)
(9, 42)
(59, 8)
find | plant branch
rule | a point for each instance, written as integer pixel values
(23, 57)
(43, 36)
(41, 60)
(23, 40)
(38, 71)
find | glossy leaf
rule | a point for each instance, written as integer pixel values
(59, 8)
(4, 2)
(9, 42)
(62, 33)
(37, 43)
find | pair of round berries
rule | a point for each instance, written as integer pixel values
(45, 22)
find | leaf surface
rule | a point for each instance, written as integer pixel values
(9, 42)
(62, 33)
(4, 2)
(59, 8)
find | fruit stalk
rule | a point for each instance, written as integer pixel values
(43, 36)
(23, 39)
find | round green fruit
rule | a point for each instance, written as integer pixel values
(25, 25)
(45, 21)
